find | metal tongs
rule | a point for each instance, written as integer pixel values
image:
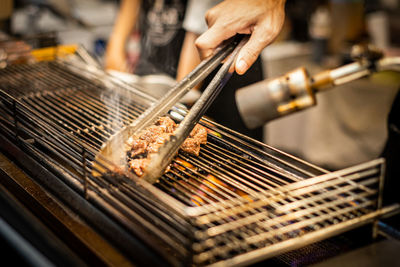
(113, 151)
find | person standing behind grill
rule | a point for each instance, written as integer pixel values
(159, 23)
(162, 38)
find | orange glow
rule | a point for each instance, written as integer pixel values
(209, 184)
(244, 195)
(197, 200)
(214, 133)
(184, 163)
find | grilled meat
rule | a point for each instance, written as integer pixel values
(138, 165)
(197, 137)
(152, 133)
(191, 146)
(158, 142)
(152, 138)
(138, 147)
(167, 124)
(200, 133)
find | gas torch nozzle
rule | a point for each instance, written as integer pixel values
(270, 99)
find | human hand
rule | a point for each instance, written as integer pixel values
(261, 19)
(115, 59)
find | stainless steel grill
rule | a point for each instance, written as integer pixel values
(239, 202)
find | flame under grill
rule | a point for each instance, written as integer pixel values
(238, 202)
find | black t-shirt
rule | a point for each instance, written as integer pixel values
(160, 27)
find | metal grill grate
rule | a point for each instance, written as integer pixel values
(92, 114)
(238, 202)
(275, 217)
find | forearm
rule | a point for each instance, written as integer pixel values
(115, 56)
(125, 22)
(189, 58)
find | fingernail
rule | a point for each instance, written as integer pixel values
(241, 66)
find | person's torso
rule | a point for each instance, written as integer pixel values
(160, 26)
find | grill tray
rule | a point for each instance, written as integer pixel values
(239, 202)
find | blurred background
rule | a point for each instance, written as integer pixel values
(48, 22)
(349, 123)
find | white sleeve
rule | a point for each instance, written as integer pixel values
(196, 10)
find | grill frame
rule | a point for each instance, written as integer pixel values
(160, 204)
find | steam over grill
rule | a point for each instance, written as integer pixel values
(239, 202)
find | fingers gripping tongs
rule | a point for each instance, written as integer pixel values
(114, 150)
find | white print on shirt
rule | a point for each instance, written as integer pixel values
(163, 22)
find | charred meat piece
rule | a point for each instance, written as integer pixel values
(151, 134)
(138, 165)
(158, 142)
(196, 137)
(138, 147)
(200, 133)
(191, 146)
(167, 124)
(151, 139)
